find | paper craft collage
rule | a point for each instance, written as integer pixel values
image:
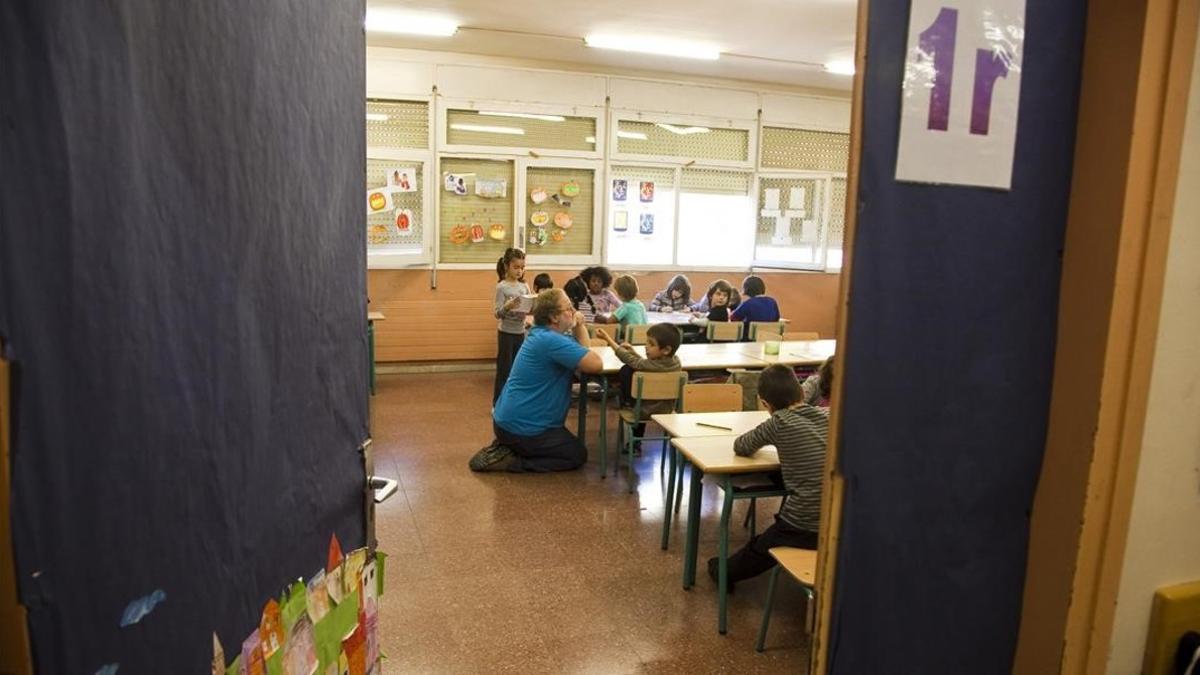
(485, 227)
(393, 209)
(550, 213)
(327, 626)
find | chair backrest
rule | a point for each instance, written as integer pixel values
(591, 329)
(724, 331)
(800, 336)
(711, 398)
(658, 386)
(635, 334)
(772, 328)
(597, 342)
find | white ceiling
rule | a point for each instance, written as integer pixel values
(777, 41)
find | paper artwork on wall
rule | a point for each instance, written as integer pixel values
(563, 219)
(476, 233)
(300, 655)
(620, 221)
(270, 630)
(537, 236)
(456, 183)
(402, 178)
(252, 658)
(379, 200)
(218, 660)
(459, 234)
(537, 195)
(539, 218)
(647, 191)
(403, 220)
(490, 188)
(569, 189)
(317, 597)
(497, 231)
(646, 224)
(558, 235)
(561, 200)
(620, 189)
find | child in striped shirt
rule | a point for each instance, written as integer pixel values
(798, 432)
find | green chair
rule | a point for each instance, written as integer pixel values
(801, 564)
(635, 334)
(761, 331)
(724, 331)
(646, 387)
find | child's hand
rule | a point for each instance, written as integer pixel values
(512, 302)
(603, 335)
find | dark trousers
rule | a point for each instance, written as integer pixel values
(507, 347)
(552, 450)
(754, 558)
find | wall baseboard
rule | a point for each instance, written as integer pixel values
(408, 368)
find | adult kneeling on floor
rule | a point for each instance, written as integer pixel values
(529, 415)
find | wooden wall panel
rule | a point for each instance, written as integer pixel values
(454, 321)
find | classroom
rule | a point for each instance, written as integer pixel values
(828, 337)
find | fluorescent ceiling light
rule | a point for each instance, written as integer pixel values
(382, 20)
(840, 67)
(655, 45)
(637, 135)
(528, 116)
(683, 131)
(483, 128)
(377, 117)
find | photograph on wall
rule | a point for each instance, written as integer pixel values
(646, 225)
(457, 183)
(620, 189)
(489, 188)
(402, 178)
(647, 192)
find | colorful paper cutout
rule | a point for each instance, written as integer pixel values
(620, 189)
(563, 219)
(558, 235)
(252, 657)
(218, 660)
(379, 200)
(403, 220)
(537, 236)
(537, 195)
(490, 188)
(317, 597)
(646, 224)
(647, 192)
(300, 655)
(569, 189)
(270, 630)
(459, 234)
(402, 178)
(539, 218)
(335, 554)
(352, 576)
(497, 231)
(561, 201)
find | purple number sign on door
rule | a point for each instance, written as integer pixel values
(989, 65)
(939, 40)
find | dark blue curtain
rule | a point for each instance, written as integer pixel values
(949, 361)
(182, 291)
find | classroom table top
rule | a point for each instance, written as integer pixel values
(687, 425)
(714, 356)
(714, 455)
(375, 316)
(795, 353)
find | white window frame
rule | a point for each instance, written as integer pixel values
(395, 259)
(444, 105)
(608, 177)
(616, 115)
(522, 217)
(826, 218)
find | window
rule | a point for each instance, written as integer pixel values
(660, 139)
(805, 150)
(715, 222)
(641, 215)
(520, 130)
(475, 221)
(397, 124)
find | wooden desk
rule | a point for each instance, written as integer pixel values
(686, 425)
(674, 318)
(798, 353)
(372, 317)
(717, 356)
(714, 455)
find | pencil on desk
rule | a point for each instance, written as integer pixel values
(713, 426)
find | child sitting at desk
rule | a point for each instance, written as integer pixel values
(631, 312)
(757, 306)
(676, 297)
(662, 342)
(798, 433)
(600, 301)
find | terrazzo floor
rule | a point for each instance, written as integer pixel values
(557, 573)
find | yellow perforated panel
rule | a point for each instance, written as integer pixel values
(551, 132)
(383, 229)
(682, 140)
(576, 239)
(805, 150)
(662, 177)
(397, 124)
(713, 181)
(837, 213)
(468, 210)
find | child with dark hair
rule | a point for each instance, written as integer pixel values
(510, 324)
(662, 342)
(818, 387)
(631, 312)
(757, 306)
(799, 433)
(722, 289)
(541, 282)
(602, 300)
(676, 297)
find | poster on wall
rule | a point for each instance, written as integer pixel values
(620, 221)
(379, 200)
(647, 191)
(961, 92)
(646, 225)
(402, 178)
(620, 189)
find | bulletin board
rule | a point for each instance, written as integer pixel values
(577, 212)
(473, 228)
(404, 226)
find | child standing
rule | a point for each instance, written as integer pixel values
(757, 306)
(676, 297)
(662, 341)
(798, 432)
(601, 301)
(631, 312)
(510, 325)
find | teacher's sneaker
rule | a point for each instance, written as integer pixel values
(494, 457)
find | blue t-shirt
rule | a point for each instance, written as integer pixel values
(758, 308)
(538, 390)
(632, 313)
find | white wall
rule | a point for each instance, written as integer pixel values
(1164, 531)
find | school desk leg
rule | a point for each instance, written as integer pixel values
(371, 356)
(766, 620)
(693, 528)
(581, 428)
(603, 425)
(666, 533)
(723, 557)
